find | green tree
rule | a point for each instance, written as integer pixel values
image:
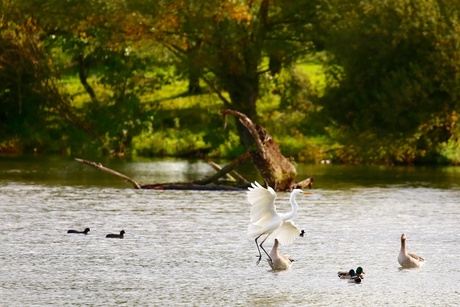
(95, 39)
(234, 43)
(393, 76)
(32, 109)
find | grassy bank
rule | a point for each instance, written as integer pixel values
(192, 126)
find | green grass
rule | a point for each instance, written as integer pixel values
(316, 74)
(183, 125)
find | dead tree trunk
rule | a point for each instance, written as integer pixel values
(277, 171)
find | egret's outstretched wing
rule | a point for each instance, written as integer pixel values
(286, 233)
(262, 202)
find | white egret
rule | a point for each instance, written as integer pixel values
(77, 231)
(113, 235)
(266, 221)
(279, 261)
(408, 260)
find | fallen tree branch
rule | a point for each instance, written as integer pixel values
(99, 166)
(200, 184)
(190, 186)
(218, 169)
(232, 174)
(225, 170)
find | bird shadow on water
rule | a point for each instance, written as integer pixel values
(407, 270)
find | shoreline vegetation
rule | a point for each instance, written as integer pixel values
(377, 85)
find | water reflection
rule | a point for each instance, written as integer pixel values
(66, 171)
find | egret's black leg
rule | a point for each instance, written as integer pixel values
(264, 249)
(258, 249)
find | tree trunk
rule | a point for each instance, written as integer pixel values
(82, 74)
(243, 92)
(194, 87)
(194, 67)
(277, 171)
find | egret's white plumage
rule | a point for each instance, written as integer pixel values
(266, 221)
(278, 260)
(408, 260)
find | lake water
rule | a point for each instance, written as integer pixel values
(188, 248)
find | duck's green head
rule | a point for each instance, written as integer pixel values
(352, 272)
(360, 270)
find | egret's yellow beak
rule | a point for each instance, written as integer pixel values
(306, 192)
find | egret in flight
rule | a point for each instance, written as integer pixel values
(408, 260)
(266, 221)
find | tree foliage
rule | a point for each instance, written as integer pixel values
(394, 72)
(93, 39)
(30, 97)
(84, 75)
(226, 43)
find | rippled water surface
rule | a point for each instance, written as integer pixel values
(190, 248)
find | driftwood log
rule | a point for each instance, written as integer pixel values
(213, 182)
(99, 166)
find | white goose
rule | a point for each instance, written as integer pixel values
(408, 260)
(279, 261)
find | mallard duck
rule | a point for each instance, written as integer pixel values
(346, 275)
(408, 260)
(77, 231)
(279, 261)
(355, 279)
